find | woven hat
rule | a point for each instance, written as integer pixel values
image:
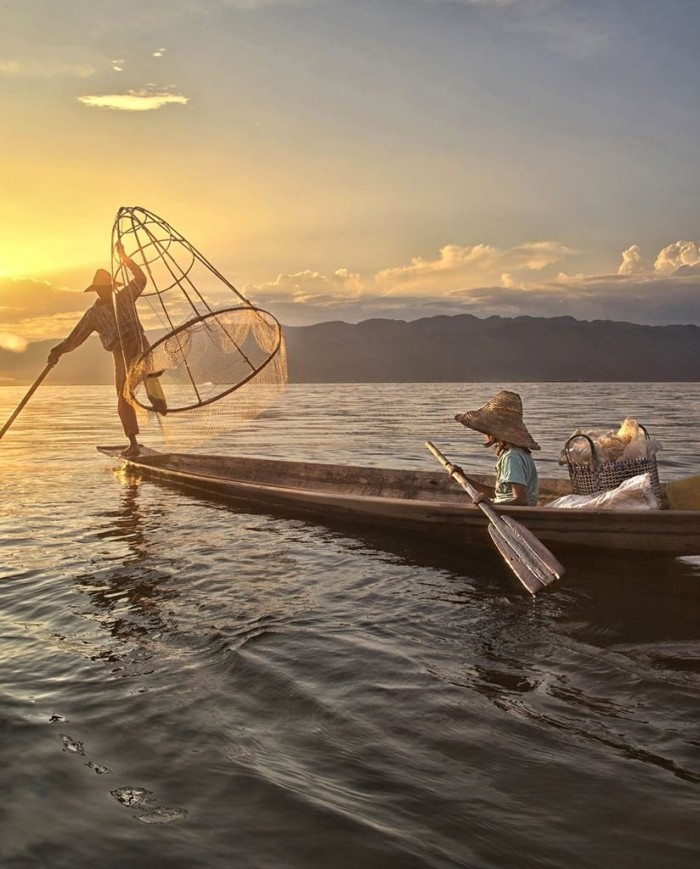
(502, 417)
(101, 280)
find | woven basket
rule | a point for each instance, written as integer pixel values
(597, 476)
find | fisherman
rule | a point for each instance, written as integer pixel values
(501, 421)
(113, 316)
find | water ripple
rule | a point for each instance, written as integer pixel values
(190, 683)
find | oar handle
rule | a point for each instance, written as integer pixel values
(462, 480)
(32, 389)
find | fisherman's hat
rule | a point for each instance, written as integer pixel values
(501, 417)
(102, 280)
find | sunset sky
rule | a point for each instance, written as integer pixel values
(346, 160)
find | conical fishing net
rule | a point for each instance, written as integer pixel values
(212, 358)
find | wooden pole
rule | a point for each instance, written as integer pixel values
(32, 389)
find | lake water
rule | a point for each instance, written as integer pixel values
(188, 684)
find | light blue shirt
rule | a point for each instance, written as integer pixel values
(516, 466)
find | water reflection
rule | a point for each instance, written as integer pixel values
(622, 600)
(127, 520)
(129, 592)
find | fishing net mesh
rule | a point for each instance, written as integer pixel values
(206, 365)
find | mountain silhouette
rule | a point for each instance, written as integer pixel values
(460, 348)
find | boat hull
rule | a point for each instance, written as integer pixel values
(426, 502)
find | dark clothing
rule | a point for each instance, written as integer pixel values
(117, 323)
(123, 356)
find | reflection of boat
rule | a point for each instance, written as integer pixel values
(423, 501)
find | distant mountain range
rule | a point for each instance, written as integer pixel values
(460, 348)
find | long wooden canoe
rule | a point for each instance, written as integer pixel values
(422, 501)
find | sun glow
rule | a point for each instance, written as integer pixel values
(23, 255)
(13, 343)
(35, 249)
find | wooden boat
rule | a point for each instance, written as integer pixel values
(421, 501)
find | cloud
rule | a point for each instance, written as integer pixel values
(470, 280)
(651, 300)
(312, 287)
(460, 280)
(159, 52)
(24, 298)
(118, 65)
(35, 310)
(633, 262)
(681, 255)
(680, 258)
(660, 301)
(45, 69)
(457, 267)
(141, 100)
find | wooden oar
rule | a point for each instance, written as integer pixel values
(527, 557)
(32, 389)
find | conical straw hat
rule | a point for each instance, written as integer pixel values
(502, 417)
(101, 280)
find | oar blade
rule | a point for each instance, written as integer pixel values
(532, 576)
(534, 547)
(528, 557)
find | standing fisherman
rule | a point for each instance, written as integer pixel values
(113, 316)
(501, 420)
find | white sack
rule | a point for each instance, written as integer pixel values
(636, 493)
